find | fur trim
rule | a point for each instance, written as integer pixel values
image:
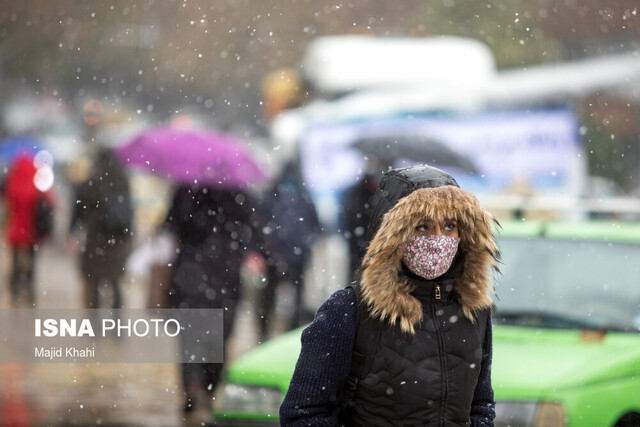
(388, 296)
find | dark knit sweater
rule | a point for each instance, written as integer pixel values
(325, 362)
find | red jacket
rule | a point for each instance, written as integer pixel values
(21, 196)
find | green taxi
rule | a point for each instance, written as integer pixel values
(566, 346)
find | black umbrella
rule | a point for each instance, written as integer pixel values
(417, 148)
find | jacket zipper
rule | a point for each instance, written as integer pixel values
(443, 362)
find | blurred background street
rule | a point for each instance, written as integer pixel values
(82, 394)
(61, 394)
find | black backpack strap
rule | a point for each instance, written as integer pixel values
(367, 338)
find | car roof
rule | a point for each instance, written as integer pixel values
(596, 229)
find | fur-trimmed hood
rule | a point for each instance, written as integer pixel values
(385, 288)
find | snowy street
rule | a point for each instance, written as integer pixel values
(61, 394)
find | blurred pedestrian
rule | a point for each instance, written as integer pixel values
(282, 90)
(410, 342)
(354, 217)
(290, 227)
(102, 211)
(214, 229)
(24, 203)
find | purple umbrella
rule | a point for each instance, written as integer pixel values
(192, 156)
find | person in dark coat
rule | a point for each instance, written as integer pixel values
(102, 210)
(290, 227)
(354, 218)
(21, 197)
(410, 342)
(214, 230)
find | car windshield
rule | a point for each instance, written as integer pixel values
(569, 284)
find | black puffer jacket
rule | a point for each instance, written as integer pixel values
(426, 378)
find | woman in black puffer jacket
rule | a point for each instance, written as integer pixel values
(409, 343)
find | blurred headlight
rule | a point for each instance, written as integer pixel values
(250, 399)
(529, 414)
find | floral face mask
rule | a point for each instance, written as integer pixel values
(430, 256)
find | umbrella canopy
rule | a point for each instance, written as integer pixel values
(199, 156)
(417, 148)
(18, 145)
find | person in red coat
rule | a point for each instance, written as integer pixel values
(21, 197)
